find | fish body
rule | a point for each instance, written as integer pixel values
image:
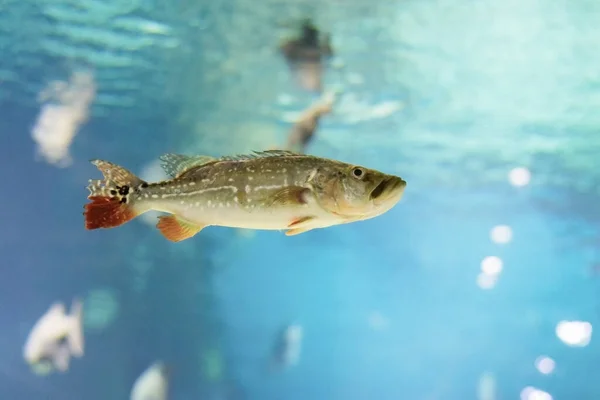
(270, 190)
(54, 338)
(288, 344)
(152, 384)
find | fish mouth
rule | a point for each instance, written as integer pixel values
(387, 186)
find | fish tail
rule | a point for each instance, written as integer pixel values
(75, 337)
(112, 203)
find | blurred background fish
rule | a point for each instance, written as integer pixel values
(55, 338)
(286, 348)
(482, 283)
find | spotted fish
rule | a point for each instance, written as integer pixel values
(269, 190)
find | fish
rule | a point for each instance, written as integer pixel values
(54, 338)
(303, 131)
(306, 53)
(287, 347)
(152, 384)
(267, 190)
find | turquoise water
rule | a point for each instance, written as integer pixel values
(453, 97)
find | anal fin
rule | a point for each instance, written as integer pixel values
(299, 225)
(177, 229)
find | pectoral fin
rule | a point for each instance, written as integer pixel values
(291, 195)
(300, 225)
(177, 229)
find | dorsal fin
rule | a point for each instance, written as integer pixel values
(176, 164)
(261, 154)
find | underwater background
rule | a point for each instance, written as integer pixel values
(482, 283)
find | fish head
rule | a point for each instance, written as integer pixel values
(355, 193)
(39, 350)
(33, 350)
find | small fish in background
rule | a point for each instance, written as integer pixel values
(152, 384)
(486, 387)
(66, 108)
(286, 351)
(269, 190)
(305, 54)
(55, 338)
(303, 131)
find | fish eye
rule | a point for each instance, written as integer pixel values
(358, 172)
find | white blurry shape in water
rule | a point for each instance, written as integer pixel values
(531, 393)
(545, 365)
(486, 387)
(152, 384)
(491, 267)
(101, 308)
(574, 333)
(501, 234)
(65, 108)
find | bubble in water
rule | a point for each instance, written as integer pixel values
(486, 281)
(491, 265)
(574, 333)
(531, 393)
(519, 176)
(501, 234)
(545, 365)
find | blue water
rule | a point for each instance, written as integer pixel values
(390, 307)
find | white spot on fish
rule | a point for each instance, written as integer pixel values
(284, 170)
(250, 178)
(209, 203)
(164, 196)
(247, 188)
(154, 196)
(145, 195)
(230, 179)
(267, 187)
(236, 199)
(182, 202)
(249, 170)
(192, 183)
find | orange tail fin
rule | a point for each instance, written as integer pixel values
(112, 203)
